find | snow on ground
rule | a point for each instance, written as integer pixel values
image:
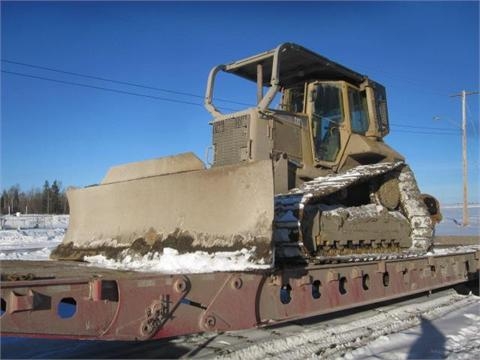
(29, 244)
(443, 327)
(453, 336)
(452, 221)
(30, 237)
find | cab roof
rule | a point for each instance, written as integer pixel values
(296, 64)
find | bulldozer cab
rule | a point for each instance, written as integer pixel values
(329, 118)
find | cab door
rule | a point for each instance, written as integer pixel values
(327, 113)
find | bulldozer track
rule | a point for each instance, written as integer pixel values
(290, 215)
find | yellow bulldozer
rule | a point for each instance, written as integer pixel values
(303, 174)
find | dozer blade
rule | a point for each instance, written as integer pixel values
(218, 209)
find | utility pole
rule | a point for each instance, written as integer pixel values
(464, 94)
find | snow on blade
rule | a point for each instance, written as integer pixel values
(170, 261)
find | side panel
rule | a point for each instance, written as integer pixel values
(292, 293)
(231, 139)
(287, 135)
(242, 137)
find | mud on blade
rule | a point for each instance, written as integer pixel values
(173, 202)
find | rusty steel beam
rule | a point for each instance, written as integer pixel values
(115, 305)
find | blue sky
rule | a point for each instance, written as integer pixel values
(423, 52)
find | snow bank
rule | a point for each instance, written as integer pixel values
(31, 237)
(170, 261)
(32, 244)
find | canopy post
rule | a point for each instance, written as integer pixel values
(259, 83)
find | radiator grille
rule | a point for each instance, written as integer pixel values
(231, 139)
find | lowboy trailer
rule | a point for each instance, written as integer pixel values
(72, 300)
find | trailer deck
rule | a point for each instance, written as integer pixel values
(61, 299)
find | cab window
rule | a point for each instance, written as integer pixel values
(293, 99)
(326, 119)
(381, 109)
(358, 111)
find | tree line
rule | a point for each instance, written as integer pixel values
(51, 199)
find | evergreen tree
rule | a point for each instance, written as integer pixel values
(51, 199)
(55, 198)
(4, 203)
(16, 199)
(46, 198)
(35, 201)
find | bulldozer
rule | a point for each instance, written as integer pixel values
(304, 174)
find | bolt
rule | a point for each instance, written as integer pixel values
(209, 322)
(237, 283)
(181, 285)
(146, 328)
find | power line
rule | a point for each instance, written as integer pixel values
(452, 130)
(116, 81)
(398, 77)
(425, 132)
(439, 131)
(471, 121)
(106, 89)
